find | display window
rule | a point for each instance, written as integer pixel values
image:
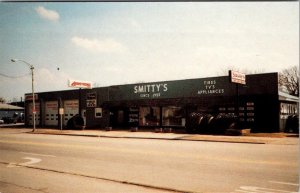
(149, 116)
(173, 116)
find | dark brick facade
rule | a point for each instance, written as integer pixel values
(258, 100)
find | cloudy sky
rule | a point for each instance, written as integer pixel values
(119, 43)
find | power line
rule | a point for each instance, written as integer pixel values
(8, 76)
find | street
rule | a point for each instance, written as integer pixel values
(55, 163)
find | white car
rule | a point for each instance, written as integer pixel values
(1, 121)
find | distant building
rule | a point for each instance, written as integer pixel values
(18, 104)
(11, 111)
(259, 104)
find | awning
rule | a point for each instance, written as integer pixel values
(9, 107)
(287, 97)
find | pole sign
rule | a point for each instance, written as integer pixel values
(237, 77)
(61, 111)
(80, 84)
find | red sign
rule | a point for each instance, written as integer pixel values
(28, 97)
(80, 84)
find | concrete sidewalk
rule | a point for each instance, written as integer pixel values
(262, 138)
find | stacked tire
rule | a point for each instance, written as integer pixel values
(201, 123)
(222, 123)
(75, 122)
(193, 122)
(206, 124)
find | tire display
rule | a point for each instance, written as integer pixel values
(202, 123)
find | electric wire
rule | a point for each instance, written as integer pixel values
(8, 76)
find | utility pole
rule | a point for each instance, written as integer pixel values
(32, 87)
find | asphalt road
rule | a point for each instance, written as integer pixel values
(52, 163)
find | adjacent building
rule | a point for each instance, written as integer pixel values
(11, 113)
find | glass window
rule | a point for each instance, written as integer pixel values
(173, 116)
(149, 116)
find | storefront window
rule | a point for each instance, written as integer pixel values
(288, 109)
(149, 116)
(173, 116)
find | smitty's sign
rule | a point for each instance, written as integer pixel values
(150, 90)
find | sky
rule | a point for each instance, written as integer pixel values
(114, 43)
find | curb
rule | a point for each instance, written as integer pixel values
(154, 138)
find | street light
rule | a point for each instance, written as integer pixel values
(33, 97)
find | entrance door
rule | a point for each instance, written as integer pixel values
(117, 118)
(120, 118)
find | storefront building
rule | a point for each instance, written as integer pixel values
(259, 104)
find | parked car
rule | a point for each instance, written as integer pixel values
(1, 121)
(9, 120)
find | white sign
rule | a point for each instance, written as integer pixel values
(91, 103)
(61, 111)
(237, 77)
(80, 84)
(150, 90)
(98, 112)
(210, 87)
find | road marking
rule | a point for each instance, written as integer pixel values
(285, 183)
(44, 155)
(157, 153)
(253, 189)
(244, 191)
(31, 161)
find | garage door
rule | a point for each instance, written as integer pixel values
(71, 109)
(51, 113)
(37, 115)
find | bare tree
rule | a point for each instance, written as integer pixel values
(289, 79)
(2, 100)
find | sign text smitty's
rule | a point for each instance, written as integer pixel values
(150, 90)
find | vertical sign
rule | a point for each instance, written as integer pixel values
(133, 116)
(91, 99)
(237, 77)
